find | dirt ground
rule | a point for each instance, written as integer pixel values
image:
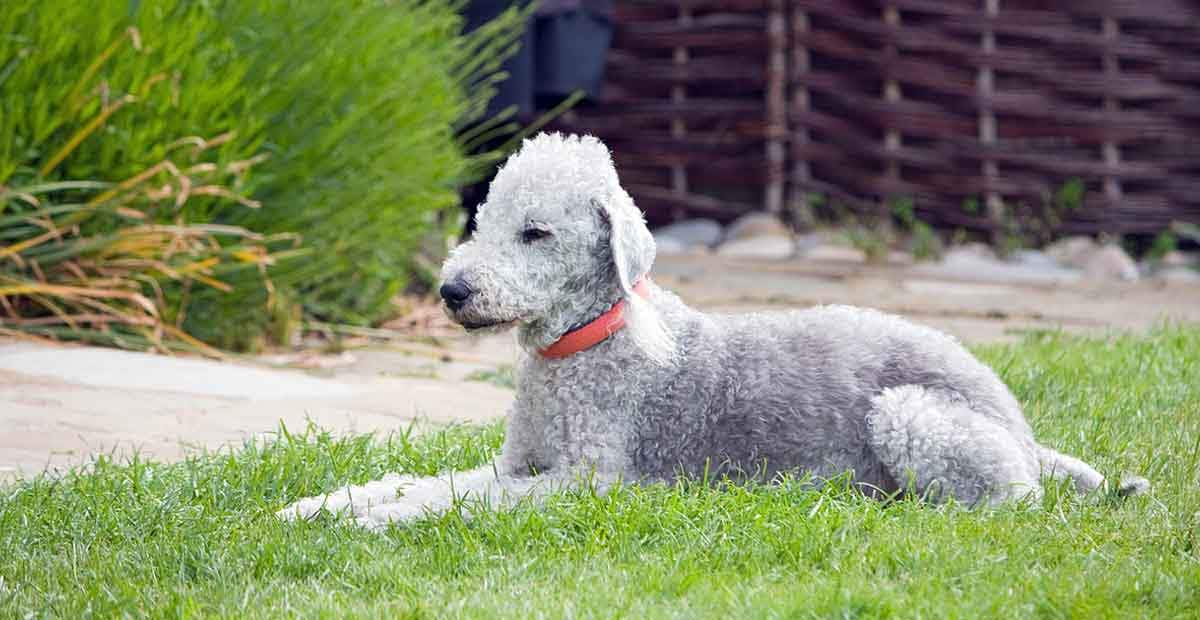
(59, 404)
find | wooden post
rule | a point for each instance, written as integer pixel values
(776, 105)
(1113, 191)
(801, 210)
(892, 139)
(679, 175)
(986, 87)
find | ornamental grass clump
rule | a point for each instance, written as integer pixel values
(181, 153)
(366, 100)
(101, 270)
(123, 263)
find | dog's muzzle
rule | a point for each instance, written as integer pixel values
(456, 293)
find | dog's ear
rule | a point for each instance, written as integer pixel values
(630, 242)
(632, 248)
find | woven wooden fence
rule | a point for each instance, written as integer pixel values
(979, 112)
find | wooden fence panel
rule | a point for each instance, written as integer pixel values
(979, 111)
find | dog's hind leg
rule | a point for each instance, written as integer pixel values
(354, 500)
(482, 487)
(403, 498)
(935, 445)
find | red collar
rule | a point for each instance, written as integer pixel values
(595, 332)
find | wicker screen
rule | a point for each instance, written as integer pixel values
(975, 111)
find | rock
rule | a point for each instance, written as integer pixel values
(754, 225)
(979, 264)
(1176, 258)
(669, 246)
(758, 235)
(896, 257)
(1110, 262)
(770, 247)
(1178, 276)
(832, 252)
(809, 240)
(969, 254)
(690, 233)
(1034, 259)
(1098, 262)
(1072, 251)
(975, 248)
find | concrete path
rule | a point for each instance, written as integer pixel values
(973, 309)
(59, 404)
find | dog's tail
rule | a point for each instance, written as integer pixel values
(1060, 466)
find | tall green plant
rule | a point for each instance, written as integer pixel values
(364, 156)
(93, 261)
(348, 109)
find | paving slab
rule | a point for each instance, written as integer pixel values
(126, 370)
(61, 404)
(973, 310)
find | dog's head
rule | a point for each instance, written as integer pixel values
(557, 241)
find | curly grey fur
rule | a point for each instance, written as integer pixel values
(823, 391)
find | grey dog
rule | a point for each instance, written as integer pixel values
(620, 381)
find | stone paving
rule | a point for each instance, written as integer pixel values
(60, 404)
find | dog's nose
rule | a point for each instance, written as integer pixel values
(456, 293)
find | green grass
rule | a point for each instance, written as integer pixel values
(198, 537)
(502, 376)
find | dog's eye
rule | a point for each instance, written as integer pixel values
(529, 235)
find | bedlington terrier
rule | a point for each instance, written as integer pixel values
(620, 381)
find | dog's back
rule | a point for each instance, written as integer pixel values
(782, 391)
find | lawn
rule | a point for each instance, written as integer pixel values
(198, 538)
